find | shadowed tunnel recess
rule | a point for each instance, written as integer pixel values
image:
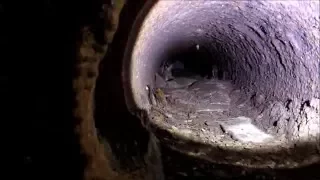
(238, 77)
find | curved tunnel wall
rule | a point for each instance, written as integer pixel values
(273, 46)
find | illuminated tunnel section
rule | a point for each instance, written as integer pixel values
(241, 73)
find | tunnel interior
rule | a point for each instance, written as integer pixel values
(194, 86)
(248, 69)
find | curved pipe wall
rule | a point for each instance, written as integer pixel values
(273, 46)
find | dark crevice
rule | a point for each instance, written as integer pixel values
(304, 104)
(275, 123)
(122, 130)
(288, 104)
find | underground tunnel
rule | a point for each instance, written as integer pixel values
(233, 82)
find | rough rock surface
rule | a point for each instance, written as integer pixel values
(269, 51)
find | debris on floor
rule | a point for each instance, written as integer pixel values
(206, 106)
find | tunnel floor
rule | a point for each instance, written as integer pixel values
(212, 109)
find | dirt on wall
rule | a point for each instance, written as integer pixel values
(91, 52)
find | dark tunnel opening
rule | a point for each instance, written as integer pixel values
(193, 61)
